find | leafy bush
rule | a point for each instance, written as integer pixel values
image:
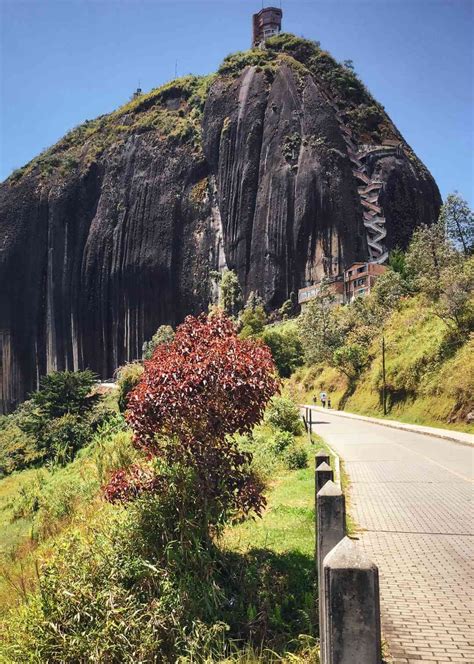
(195, 392)
(163, 335)
(65, 392)
(282, 440)
(286, 347)
(296, 457)
(63, 436)
(282, 413)
(128, 378)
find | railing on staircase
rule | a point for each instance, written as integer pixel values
(374, 218)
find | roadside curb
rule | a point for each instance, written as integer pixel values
(459, 437)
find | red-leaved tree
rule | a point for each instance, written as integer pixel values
(196, 391)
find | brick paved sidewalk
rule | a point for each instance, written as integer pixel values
(411, 495)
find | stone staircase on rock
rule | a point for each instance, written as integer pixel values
(369, 193)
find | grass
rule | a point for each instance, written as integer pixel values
(37, 505)
(283, 540)
(13, 532)
(285, 535)
(288, 522)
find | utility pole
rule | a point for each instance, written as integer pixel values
(384, 387)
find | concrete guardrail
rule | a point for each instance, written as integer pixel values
(348, 582)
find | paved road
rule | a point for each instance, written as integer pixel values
(412, 496)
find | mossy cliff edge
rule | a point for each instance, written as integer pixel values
(116, 228)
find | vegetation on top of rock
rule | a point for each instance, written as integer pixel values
(361, 111)
(173, 111)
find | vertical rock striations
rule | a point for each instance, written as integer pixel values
(115, 229)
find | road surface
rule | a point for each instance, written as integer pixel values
(411, 495)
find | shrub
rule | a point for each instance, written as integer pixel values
(286, 348)
(234, 63)
(282, 413)
(253, 321)
(195, 392)
(128, 378)
(17, 449)
(296, 457)
(282, 440)
(163, 335)
(63, 436)
(65, 392)
(298, 47)
(28, 499)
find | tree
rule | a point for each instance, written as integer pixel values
(428, 254)
(253, 321)
(349, 64)
(455, 304)
(286, 348)
(195, 393)
(231, 293)
(389, 288)
(351, 359)
(458, 221)
(65, 392)
(163, 335)
(318, 330)
(442, 275)
(397, 262)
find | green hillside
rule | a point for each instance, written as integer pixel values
(429, 378)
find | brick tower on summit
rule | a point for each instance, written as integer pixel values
(266, 23)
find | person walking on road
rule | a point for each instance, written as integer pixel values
(323, 397)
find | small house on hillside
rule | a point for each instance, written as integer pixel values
(335, 287)
(360, 278)
(357, 281)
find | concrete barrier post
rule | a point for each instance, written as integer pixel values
(323, 474)
(322, 457)
(330, 530)
(351, 606)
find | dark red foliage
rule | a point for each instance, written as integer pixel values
(205, 384)
(197, 391)
(125, 485)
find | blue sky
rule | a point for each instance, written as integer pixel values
(65, 61)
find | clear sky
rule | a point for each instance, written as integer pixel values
(65, 61)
